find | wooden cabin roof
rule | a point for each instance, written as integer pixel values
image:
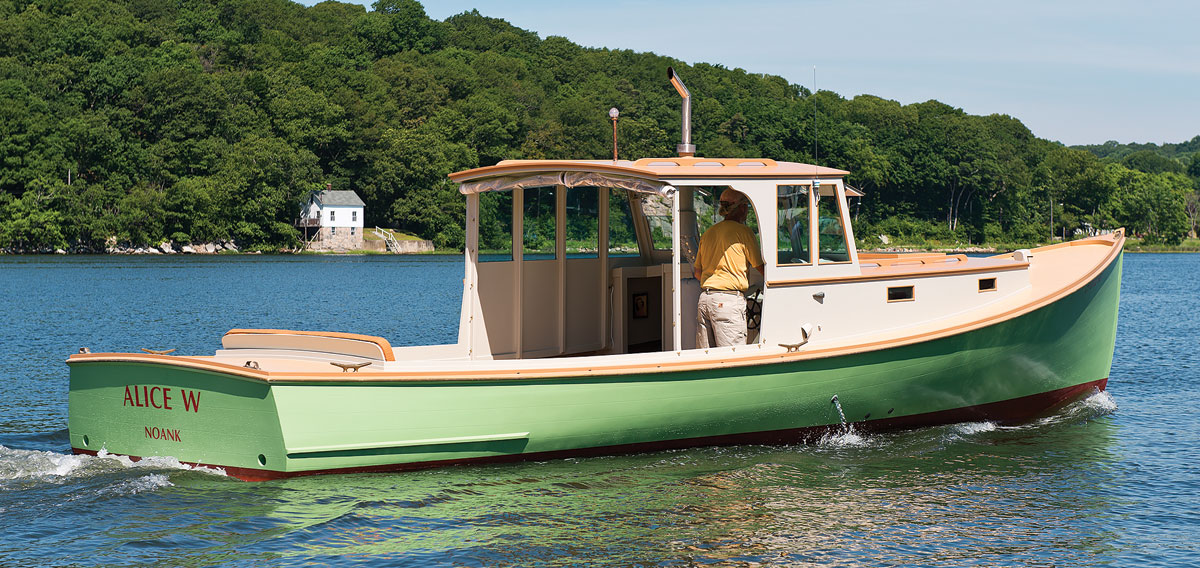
(659, 168)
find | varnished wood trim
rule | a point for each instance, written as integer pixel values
(199, 363)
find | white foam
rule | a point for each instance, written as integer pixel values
(1101, 402)
(38, 465)
(26, 464)
(969, 428)
(135, 486)
(844, 439)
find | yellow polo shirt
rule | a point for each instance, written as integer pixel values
(727, 250)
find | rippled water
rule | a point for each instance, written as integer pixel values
(1110, 480)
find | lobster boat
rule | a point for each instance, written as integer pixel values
(577, 328)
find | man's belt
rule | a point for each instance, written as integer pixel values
(718, 291)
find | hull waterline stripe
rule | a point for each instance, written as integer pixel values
(301, 451)
(1010, 411)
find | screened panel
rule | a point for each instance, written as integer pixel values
(583, 219)
(541, 224)
(495, 226)
(622, 239)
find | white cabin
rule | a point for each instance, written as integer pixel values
(558, 284)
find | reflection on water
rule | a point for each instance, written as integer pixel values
(974, 494)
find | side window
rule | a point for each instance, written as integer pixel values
(622, 239)
(793, 224)
(831, 235)
(541, 224)
(583, 217)
(495, 226)
(332, 214)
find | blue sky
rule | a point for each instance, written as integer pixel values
(1073, 71)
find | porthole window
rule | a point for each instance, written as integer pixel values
(987, 284)
(900, 294)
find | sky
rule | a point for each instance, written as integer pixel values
(1079, 72)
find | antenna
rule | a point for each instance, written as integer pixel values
(816, 176)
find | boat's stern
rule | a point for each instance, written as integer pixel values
(193, 409)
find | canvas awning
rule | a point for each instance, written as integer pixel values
(568, 179)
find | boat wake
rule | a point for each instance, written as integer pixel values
(1096, 405)
(1092, 407)
(22, 469)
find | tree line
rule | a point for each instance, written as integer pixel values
(140, 121)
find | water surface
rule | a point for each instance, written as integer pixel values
(1110, 480)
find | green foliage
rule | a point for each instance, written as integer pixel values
(199, 120)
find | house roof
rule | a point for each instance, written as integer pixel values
(339, 197)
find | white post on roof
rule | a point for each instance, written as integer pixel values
(676, 293)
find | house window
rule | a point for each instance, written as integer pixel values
(354, 215)
(351, 231)
(333, 231)
(332, 214)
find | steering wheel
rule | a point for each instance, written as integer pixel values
(754, 302)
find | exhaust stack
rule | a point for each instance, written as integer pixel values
(685, 148)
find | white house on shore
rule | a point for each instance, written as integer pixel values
(333, 220)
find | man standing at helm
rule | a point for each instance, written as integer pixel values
(727, 251)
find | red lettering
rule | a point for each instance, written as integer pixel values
(157, 433)
(167, 398)
(137, 397)
(151, 397)
(191, 400)
(146, 397)
(128, 398)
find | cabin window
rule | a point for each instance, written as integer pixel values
(540, 224)
(987, 284)
(622, 238)
(900, 294)
(495, 226)
(583, 218)
(792, 235)
(831, 234)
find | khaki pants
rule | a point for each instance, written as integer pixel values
(720, 319)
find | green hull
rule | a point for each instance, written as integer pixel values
(1011, 370)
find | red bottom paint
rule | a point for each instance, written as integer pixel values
(1007, 411)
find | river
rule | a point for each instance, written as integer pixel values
(1110, 480)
